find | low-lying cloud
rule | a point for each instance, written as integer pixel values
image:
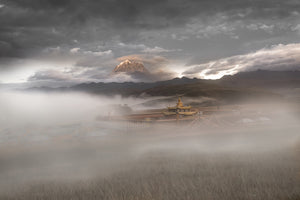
(59, 137)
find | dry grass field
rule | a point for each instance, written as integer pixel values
(161, 167)
(183, 177)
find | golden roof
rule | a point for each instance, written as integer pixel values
(179, 105)
(180, 109)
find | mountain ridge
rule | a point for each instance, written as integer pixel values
(258, 83)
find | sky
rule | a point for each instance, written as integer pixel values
(68, 41)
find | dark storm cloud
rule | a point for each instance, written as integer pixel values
(28, 26)
(93, 34)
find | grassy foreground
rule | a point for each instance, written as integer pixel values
(164, 175)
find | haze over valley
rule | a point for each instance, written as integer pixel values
(150, 100)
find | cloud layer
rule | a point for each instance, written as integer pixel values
(279, 57)
(90, 35)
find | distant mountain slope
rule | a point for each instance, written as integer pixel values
(128, 88)
(265, 75)
(216, 91)
(242, 85)
(263, 79)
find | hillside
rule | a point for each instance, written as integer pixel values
(244, 85)
(263, 79)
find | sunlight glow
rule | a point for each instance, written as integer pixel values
(220, 74)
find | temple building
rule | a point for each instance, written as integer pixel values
(180, 109)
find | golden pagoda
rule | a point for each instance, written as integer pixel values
(180, 109)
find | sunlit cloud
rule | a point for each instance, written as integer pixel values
(278, 57)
